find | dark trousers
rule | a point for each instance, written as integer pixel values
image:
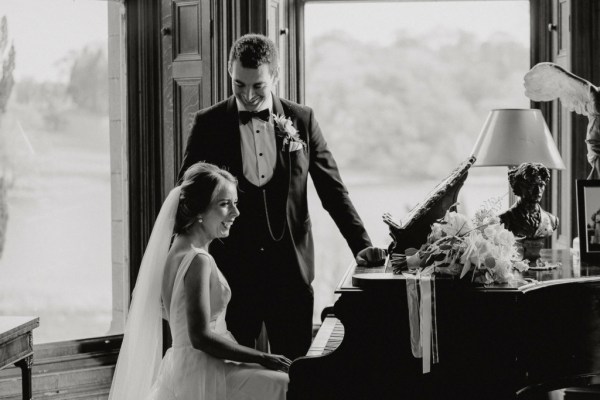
(263, 273)
(268, 290)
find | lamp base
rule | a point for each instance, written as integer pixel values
(530, 248)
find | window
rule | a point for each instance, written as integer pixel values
(401, 91)
(63, 230)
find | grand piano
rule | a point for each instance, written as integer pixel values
(514, 341)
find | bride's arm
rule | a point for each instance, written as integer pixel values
(197, 299)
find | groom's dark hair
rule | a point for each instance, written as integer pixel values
(201, 182)
(254, 50)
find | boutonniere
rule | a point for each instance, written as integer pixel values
(285, 129)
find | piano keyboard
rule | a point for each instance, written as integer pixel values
(328, 337)
(331, 332)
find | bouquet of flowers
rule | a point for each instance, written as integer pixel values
(458, 246)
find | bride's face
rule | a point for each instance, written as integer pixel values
(221, 212)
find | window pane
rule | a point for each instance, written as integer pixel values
(55, 162)
(401, 91)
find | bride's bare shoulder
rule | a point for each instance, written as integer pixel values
(180, 249)
(176, 254)
(175, 257)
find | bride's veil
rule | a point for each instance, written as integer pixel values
(141, 351)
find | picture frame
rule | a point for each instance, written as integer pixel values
(588, 219)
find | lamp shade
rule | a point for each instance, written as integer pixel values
(513, 136)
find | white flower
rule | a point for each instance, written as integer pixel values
(490, 231)
(478, 249)
(504, 237)
(436, 232)
(501, 271)
(289, 127)
(457, 246)
(285, 128)
(521, 266)
(456, 224)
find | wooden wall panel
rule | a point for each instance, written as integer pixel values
(186, 76)
(188, 37)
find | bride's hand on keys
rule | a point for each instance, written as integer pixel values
(276, 362)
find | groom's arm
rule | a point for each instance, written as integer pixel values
(332, 191)
(204, 140)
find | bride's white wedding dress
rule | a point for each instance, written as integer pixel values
(189, 374)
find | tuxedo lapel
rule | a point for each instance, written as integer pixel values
(232, 133)
(277, 106)
(282, 154)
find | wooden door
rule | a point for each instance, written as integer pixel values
(186, 76)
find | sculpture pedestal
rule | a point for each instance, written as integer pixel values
(531, 247)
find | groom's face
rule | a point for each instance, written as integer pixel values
(251, 86)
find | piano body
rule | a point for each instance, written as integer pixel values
(496, 342)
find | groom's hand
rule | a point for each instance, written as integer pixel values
(371, 257)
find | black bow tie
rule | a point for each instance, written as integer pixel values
(246, 116)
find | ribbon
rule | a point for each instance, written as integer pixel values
(420, 295)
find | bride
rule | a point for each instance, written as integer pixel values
(181, 282)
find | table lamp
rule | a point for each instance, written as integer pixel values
(510, 137)
(521, 140)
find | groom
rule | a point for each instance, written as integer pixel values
(271, 145)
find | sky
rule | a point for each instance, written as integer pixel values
(379, 23)
(43, 38)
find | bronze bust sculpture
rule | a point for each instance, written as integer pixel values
(526, 218)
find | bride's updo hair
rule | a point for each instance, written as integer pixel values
(201, 182)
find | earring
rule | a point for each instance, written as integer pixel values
(200, 220)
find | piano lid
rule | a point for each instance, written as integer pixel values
(413, 233)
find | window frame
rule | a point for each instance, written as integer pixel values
(584, 60)
(86, 365)
(89, 363)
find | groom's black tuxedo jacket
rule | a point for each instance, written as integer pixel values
(215, 138)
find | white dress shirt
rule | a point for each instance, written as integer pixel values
(259, 149)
